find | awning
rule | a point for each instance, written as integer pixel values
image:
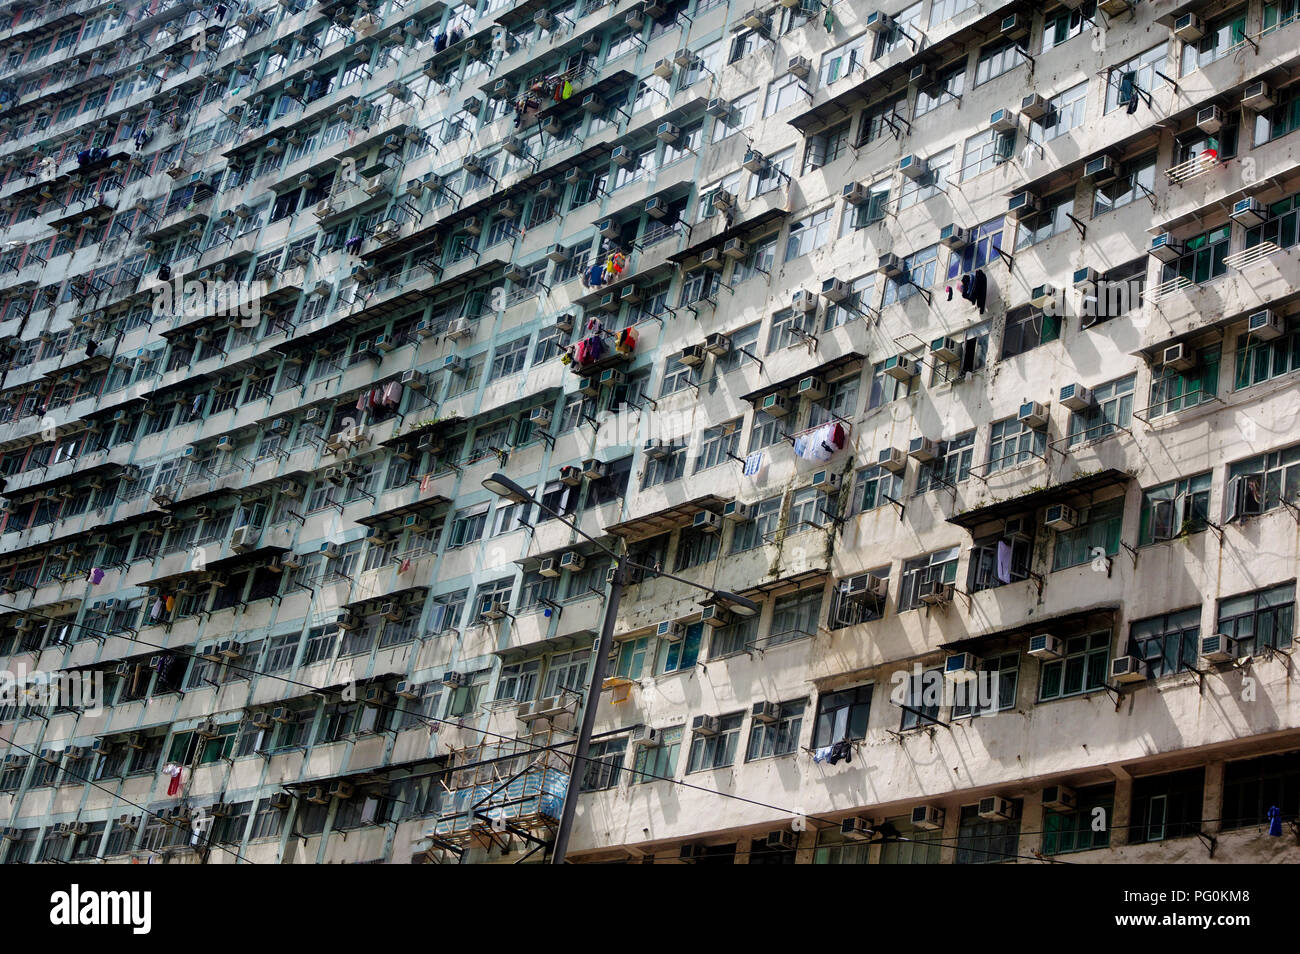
(667, 519)
(423, 505)
(786, 584)
(549, 644)
(743, 226)
(1064, 625)
(1030, 502)
(824, 370)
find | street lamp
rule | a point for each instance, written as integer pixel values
(504, 487)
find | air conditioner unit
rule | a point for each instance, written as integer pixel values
(1100, 169)
(736, 510)
(1033, 414)
(1124, 669)
(1210, 119)
(774, 405)
(1046, 646)
(799, 66)
(1218, 648)
(1189, 28)
(1076, 397)
(765, 712)
(670, 630)
(1249, 212)
(1003, 120)
(961, 667)
(857, 828)
(593, 103)
(1257, 97)
(1085, 277)
(954, 236)
(890, 264)
(1022, 203)
(914, 167)
(900, 367)
(1265, 325)
(927, 817)
(715, 615)
(1178, 357)
(923, 449)
(718, 108)
(893, 459)
(996, 808)
(1060, 798)
(933, 593)
(1061, 517)
(721, 199)
(707, 521)
(1042, 296)
(946, 349)
(705, 725)
(456, 330)
(879, 22)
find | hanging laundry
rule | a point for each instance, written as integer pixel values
(753, 464)
(841, 751)
(1275, 821)
(822, 754)
(169, 606)
(405, 567)
(155, 611)
(174, 786)
(96, 576)
(1004, 561)
(566, 90)
(981, 290)
(197, 406)
(392, 393)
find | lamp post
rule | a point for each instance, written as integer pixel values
(503, 486)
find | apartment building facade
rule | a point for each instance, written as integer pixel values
(957, 338)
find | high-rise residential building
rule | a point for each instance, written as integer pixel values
(899, 408)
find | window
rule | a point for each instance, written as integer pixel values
(764, 519)
(906, 26)
(919, 271)
(510, 357)
(996, 59)
(1097, 534)
(1259, 619)
(980, 252)
(998, 560)
(795, 616)
(1028, 327)
(1167, 644)
(851, 308)
(1259, 360)
(1111, 410)
(604, 764)
(881, 119)
(780, 737)
(872, 488)
(743, 111)
(631, 658)
(1142, 73)
(1222, 36)
(1081, 669)
(718, 444)
(986, 149)
(567, 671)
(733, 638)
(809, 233)
(1067, 24)
(1166, 806)
(1278, 121)
(1065, 111)
(718, 750)
(939, 567)
(844, 59)
(759, 261)
(782, 93)
(951, 465)
(695, 548)
(921, 699)
(842, 715)
(776, 171)
(1260, 484)
(930, 183)
(1004, 670)
(1074, 830)
(467, 526)
(1052, 220)
(662, 470)
(788, 329)
(981, 841)
(1252, 786)
(1136, 180)
(678, 377)
(1013, 442)
(487, 594)
(654, 763)
(1202, 257)
(825, 147)
(886, 387)
(1174, 509)
(1282, 227)
(950, 84)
